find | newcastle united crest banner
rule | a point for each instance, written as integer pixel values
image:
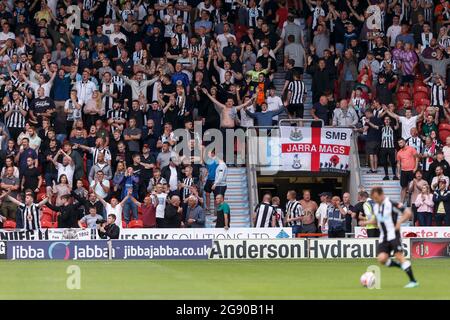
(315, 149)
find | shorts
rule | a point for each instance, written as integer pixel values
(296, 109)
(394, 245)
(208, 186)
(372, 147)
(405, 178)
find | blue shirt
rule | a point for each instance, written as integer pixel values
(212, 166)
(61, 88)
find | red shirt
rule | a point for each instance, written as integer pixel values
(149, 215)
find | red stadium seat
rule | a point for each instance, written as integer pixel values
(124, 224)
(136, 224)
(55, 224)
(421, 95)
(420, 88)
(403, 89)
(444, 131)
(47, 211)
(403, 96)
(84, 225)
(9, 224)
(46, 224)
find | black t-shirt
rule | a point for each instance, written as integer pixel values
(372, 133)
(31, 176)
(322, 112)
(146, 174)
(42, 105)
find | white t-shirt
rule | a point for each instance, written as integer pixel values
(67, 170)
(47, 87)
(6, 36)
(201, 6)
(407, 125)
(273, 104)
(321, 214)
(246, 121)
(99, 190)
(115, 37)
(393, 32)
(223, 40)
(117, 211)
(173, 181)
(161, 207)
(107, 30)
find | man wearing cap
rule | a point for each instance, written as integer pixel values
(321, 212)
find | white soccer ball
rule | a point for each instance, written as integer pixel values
(368, 279)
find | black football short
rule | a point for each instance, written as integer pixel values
(388, 247)
(208, 186)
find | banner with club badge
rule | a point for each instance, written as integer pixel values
(315, 149)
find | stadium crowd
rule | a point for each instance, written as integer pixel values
(92, 92)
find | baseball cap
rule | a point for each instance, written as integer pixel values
(145, 146)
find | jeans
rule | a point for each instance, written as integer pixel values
(127, 207)
(425, 218)
(442, 220)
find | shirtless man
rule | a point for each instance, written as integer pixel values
(309, 210)
(228, 115)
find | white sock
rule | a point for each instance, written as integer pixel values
(388, 262)
(406, 265)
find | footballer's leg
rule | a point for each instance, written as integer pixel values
(383, 258)
(406, 266)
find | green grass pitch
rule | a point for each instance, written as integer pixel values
(189, 279)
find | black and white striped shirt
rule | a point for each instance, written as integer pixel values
(264, 213)
(387, 215)
(96, 151)
(187, 182)
(30, 216)
(107, 100)
(184, 14)
(279, 217)
(16, 119)
(88, 4)
(116, 115)
(298, 89)
(416, 143)
(253, 14)
(387, 137)
(181, 103)
(119, 82)
(162, 13)
(294, 210)
(437, 95)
